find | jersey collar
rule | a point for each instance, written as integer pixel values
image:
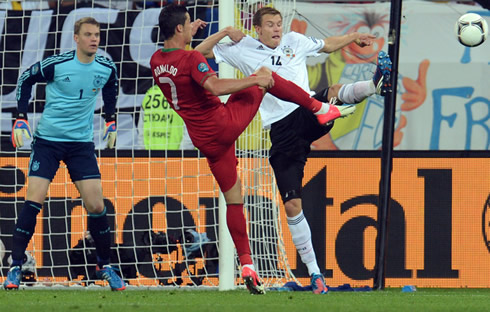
(264, 46)
(169, 50)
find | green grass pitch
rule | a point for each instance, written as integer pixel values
(240, 300)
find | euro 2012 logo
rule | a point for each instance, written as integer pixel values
(202, 67)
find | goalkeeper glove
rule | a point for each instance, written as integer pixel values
(110, 131)
(21, 128)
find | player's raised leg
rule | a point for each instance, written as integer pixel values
(356, 92)
(289, 91)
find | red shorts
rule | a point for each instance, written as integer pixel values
(235, 117)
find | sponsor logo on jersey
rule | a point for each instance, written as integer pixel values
(260, 47)
(288, 51)
(202, 67)
(67, 79)
(98, 81)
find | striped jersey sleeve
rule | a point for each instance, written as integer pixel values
(111, 88)
(42, 71)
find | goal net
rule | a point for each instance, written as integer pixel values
(161, 198)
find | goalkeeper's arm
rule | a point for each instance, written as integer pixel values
(109, 95)
(28, 78)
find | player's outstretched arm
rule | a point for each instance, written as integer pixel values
(206, 47)
(196, 25)
(335, 43)
(227, 86)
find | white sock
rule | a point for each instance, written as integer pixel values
(301, 233)
(356, 92)
(325, 108)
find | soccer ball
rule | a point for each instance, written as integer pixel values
(471, 30)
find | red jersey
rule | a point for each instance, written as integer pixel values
(212, 126)
(181, 74)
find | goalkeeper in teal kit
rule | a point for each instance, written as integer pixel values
(65, 133)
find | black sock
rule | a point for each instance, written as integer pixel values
(24, 229)
(98, 226)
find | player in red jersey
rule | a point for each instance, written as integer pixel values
(191, 87)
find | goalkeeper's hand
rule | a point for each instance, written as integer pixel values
(21, 128)
(110, 133)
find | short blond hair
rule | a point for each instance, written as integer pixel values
(85, 20)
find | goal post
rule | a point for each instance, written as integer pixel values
(387, 149)
(226, 246)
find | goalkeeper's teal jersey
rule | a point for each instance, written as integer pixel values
(71, 93)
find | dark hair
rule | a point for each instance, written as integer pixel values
(171, 16)
(84, 20)
(257, 19)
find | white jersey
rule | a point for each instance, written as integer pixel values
(288, 60)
